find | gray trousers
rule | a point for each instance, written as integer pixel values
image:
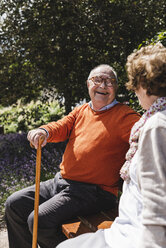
(87, 240)
(60, 200)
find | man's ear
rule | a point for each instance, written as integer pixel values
(87, 82)
(116, 88)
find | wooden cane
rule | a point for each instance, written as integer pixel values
(37, 189)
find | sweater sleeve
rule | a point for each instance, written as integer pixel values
(61, 129)
(152, 180)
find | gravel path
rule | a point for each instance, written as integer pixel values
(3, 239)
(3, 233)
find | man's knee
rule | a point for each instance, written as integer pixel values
(11, 204)
(43, 222)
(30, 222)
(14, 206)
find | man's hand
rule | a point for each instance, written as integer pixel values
(34, 135)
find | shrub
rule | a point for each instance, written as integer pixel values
(21, 118)
(18, 160)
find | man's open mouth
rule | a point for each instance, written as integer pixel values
(101, 93)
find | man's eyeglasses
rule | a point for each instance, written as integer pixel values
(109, 82)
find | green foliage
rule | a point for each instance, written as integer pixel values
(56, 43)
(19, 117)
(134, 104)
(159, 37)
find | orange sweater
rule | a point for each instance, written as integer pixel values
(98, 142)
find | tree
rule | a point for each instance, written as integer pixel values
(47, 43)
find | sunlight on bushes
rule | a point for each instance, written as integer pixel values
(22, 118)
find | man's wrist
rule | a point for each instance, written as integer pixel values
(45, 131)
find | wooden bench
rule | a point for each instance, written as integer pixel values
(90, 223)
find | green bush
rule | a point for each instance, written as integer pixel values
(159, 37)
(21, 118)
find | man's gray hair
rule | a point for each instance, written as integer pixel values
(108, 68)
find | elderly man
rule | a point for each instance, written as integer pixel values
(98, 134)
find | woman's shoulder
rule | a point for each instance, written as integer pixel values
(156, 121)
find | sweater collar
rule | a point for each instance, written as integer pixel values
(105, 107)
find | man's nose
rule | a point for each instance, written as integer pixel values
(102, 85)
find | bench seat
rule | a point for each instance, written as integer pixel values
(90, 223)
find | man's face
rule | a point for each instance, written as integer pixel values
(100, 93)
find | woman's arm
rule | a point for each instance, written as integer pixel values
(152, 180)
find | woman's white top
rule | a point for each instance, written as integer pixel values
(124, 231)
(142, 210)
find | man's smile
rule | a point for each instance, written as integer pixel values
(102, 93)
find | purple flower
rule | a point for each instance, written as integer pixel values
(18, 162)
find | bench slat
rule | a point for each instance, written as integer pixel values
(111, 214)
(95, 222)
(74, 229)
(90, 223)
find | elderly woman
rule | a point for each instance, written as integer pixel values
(142, 210)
